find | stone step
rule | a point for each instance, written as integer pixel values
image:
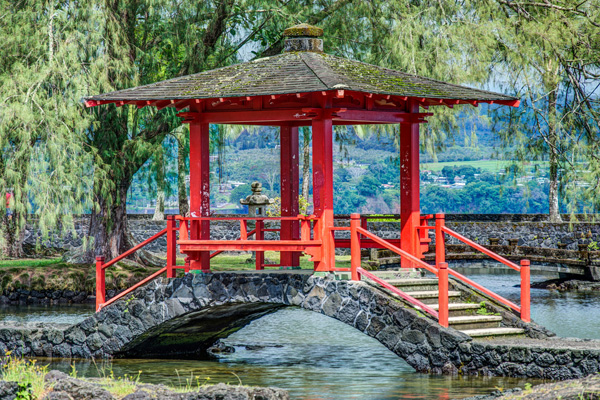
(493, 332)
(414, 285)
(431, 296)
(388, 260)
(404, 273)
(459, 309)
(475, 322)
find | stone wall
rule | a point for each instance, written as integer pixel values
(531, 230)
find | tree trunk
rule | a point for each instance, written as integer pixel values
(305, 162)
(184, 206)
(108, 225)
(13, 234)
(553, 192)
(159, 210)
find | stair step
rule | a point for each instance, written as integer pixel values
(459, 309)
(412, 282)
(475, 321)
(404, 273)
(493, 332)
(431, 296)
(414, 285)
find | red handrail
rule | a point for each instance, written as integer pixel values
(131, 289)
(481, 248)
(134, 249)
(484, 290)
(524, 310)
(399, 292)
(397, 250)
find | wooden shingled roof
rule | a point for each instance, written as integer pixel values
(300, 72)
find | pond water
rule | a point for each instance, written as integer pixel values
(316, 357)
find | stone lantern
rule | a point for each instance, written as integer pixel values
(257, 203)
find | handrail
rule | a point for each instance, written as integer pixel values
(482, 249)
(524, 310)
(134, 249)
(399, 292)
(131, 289)
(397, 250)
(216, 253)
(243, 217)
(101, 266)
(484, 290)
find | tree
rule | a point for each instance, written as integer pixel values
(42, 161)
(550, 52)
(369, 186)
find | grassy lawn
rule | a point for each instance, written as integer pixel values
(31, 263)
(53, 274)
(485, 165)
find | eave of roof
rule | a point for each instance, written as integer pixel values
(299, 72)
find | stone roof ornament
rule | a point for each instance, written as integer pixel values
(303, 37)
(257, 202)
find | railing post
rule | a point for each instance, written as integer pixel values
(100, 282)
(171, 246)
(440, 245)
(187, 267)
(304, 228)
(243, 229)
(260, 235)
(525, 289)
(355, 222)
(443, 294)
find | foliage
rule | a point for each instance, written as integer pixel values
(41, 118)
(28, 373)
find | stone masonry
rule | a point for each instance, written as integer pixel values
(195, 311)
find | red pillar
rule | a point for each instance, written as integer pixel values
(322, 147)
(289, 182)
(200, 190)
(410, 213)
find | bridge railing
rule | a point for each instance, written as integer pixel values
(101, 266)
(191, 239)
(525, 309)
(442, 271)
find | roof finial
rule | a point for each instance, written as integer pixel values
(303, 37)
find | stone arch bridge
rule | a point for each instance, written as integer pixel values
(182, 317)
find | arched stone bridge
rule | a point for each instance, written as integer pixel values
(182, 317)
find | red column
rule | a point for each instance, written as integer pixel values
(200, 190)
(322, 147)
(410, 213)
(289, 182)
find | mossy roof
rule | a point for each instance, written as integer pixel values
(299, 72)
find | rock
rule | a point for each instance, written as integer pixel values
(220, 347)
(76, 388)
(9, 390)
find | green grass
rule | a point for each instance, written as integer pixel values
(27, 373)
(30, 263)
(485, 165)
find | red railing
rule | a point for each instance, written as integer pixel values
(524, 310)
(442, 271)
(398, 292)
(101, 266)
